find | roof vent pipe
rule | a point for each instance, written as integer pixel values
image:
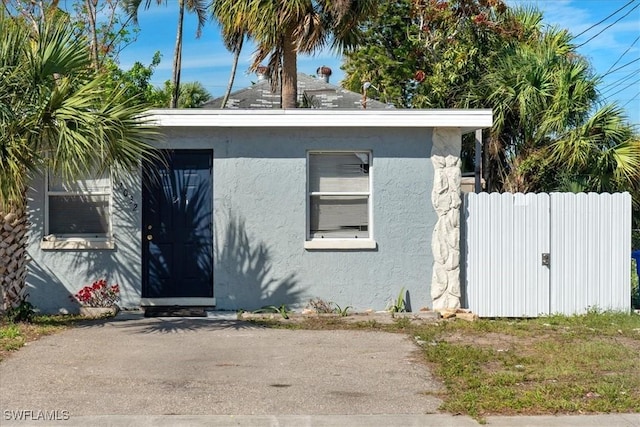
(263, 73)
(324, 73)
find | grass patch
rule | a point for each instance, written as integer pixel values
(558, 364)
(15, 335)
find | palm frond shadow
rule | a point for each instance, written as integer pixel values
(248, 279)
(157, 325)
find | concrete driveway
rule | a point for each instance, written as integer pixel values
(178, 366)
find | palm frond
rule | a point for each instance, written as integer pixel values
(131, 7)
(56, 113)
(199, 7)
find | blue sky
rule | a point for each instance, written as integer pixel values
(206, 60)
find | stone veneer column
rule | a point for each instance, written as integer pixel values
(445, 244)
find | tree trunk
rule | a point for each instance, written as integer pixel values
(234, 67)
(13, 257)
(494, 164)
(177, 58)
(93, 32)
(289, 71)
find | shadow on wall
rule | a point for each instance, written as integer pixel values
(249, 282)
(122, 264)
(55, 275)
(51, 295)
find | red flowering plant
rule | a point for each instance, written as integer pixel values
(99, 294)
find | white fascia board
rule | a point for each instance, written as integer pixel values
(468, 120)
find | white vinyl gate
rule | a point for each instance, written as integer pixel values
(527, 255)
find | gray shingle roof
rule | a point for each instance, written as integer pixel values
(323, 95)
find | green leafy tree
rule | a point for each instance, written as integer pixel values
(56, 114)
(198, 7)
(100, 22)
(549, 130)
(107, 30)
(136, 82)
(429, 54)
(387, 56)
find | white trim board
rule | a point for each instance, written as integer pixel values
(466, 120)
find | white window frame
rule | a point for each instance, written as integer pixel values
(79, 241)
(339, 243)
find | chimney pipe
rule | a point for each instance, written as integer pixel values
(324, 73)
(262, 72)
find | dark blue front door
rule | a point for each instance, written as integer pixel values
(177, 232)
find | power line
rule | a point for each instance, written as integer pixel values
(626, 87)
(610, 25)
(617, 83)
(627, 103)
(625, 52)
(633, 70)
(621, 67)
(600, 22)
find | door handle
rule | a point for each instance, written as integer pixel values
(546, 259)
(149, 237)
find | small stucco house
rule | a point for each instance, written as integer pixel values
(265, 207)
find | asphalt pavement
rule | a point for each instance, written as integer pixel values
(218, 371)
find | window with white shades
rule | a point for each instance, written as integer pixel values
(339, 195)
(78, 209)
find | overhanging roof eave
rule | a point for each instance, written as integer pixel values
(467, 120)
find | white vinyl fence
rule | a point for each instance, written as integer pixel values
(527, 255)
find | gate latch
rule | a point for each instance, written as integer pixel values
(546, 259)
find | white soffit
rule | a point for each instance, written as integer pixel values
(467, 120)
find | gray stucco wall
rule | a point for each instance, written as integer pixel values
(55, 275)
(259, 180)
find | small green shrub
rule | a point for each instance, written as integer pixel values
(23, 312)
(399, 305)
(282, 310)
(344, 312)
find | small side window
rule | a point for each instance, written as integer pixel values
(78, 213)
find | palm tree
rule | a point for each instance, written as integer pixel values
(56, 115)
(537, 89)
(284, 28)
(193, 95)
(548, 132)
(234, 30)
(194, 6)
(602, 154)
